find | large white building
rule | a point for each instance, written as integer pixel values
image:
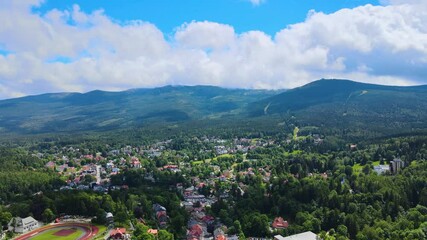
(381, 169)
(301, 236)
(23, 225)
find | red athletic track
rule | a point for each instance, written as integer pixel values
(90, 230)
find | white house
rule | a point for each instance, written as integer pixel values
(23, 225)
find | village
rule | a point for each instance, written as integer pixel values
(83, 171)
(219, 173)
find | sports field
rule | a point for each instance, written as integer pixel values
(65, 234)
(62, 231)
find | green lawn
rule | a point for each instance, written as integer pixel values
(227, 155)
(47, 235)
(101, 232)
(197, 162)
(357, 168)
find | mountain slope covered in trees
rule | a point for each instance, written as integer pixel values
(111, 110)
(341, 104)
(346, 103)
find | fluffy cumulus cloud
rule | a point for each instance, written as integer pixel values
(72, 50)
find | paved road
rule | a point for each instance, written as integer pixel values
(98, 174)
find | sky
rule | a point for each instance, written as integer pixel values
(80, 45)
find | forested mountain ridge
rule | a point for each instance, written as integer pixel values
(330, 103)
(348, 103)
(103, 110)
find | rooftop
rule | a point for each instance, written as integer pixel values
(301, 236)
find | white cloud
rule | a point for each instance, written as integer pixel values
(71, 50)
(257, 2)
(205, 35)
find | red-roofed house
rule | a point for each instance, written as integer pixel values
(118, 233)
(136, 163)
(50, 165)
(220, 237)
(279, 223)
(208, 219)
(196, 231)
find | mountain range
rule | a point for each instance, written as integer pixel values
(320, 103)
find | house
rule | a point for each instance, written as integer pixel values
(221, 237)
(135, 163)
(208, 219)
(195, 198)
(162, 218)
(50, 165)
(279, 223)
(23, 225)
(154, 153)
(109, 217)
(189, 190)
(301, 236)
(110, 165)
(187, 205)
(119, 233)
(219, 234)
(172, 168)
(161, 215)
(196, 231)
(153, 231)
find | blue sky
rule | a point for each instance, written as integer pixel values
(270, 16)
(70, 45)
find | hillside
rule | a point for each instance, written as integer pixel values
(332, 104)
(346, 103)
(100, 110)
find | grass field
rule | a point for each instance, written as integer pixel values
(210, 159)
(357, 168)
(49, 234)
(101, 232)
(197, 162)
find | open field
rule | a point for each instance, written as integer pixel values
(56, 233)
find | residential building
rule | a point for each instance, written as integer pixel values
(119, 233)
(396, 165)
(279, 223)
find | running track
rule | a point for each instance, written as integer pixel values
(90, 230)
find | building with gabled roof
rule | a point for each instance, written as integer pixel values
(118, 233)
(279, 223)
(23, 225)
